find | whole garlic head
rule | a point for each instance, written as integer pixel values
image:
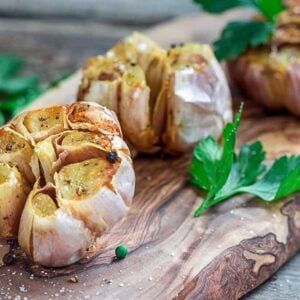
(165, 100)
(83, 180)
(269, 74)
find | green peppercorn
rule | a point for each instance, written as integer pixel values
(121, 252)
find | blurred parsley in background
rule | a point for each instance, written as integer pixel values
(16, 92)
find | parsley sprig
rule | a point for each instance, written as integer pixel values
(223, 173)
(16, 92)
(237, 36)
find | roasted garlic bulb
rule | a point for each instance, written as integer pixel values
(165, 100)
(66, 176)
(270, 74)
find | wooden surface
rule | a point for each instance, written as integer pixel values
(169, 254)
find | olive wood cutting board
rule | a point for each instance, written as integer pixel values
(225, 253)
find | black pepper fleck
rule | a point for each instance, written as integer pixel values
(9, 147)
(8, 259)
(112, 156)
(12, 243)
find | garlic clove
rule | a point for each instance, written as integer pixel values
(86, 190)
(38, 124)
(134, 111)
(199, 102)
(50, 235)
(15, 150)
(102, 79)
(13, 193)
(93, 117)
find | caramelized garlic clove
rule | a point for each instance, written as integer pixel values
(13, 194)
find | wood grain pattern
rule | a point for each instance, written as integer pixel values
(222, 255)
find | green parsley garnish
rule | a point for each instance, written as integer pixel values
(237, 36)
(219, 6)
(16, 92)
(223, 173)
(244, 34)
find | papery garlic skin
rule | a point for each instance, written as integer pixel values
(56, 239)
(58, 157)
(199, 101)
(168, 100)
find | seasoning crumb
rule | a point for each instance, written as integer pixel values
(73, 279)
(150, 278)
(109, 281)
(121, 284)
(22, 288)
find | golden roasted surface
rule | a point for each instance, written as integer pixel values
(49, 159)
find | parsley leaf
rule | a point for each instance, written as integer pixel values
(218, 6)
(270, 8)
(245, 170)
(237, 36)
(281, 180)
(2, 119)
(9, 65)
(223, 174)
(203, 165)
(210, 166)
(17, 85)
